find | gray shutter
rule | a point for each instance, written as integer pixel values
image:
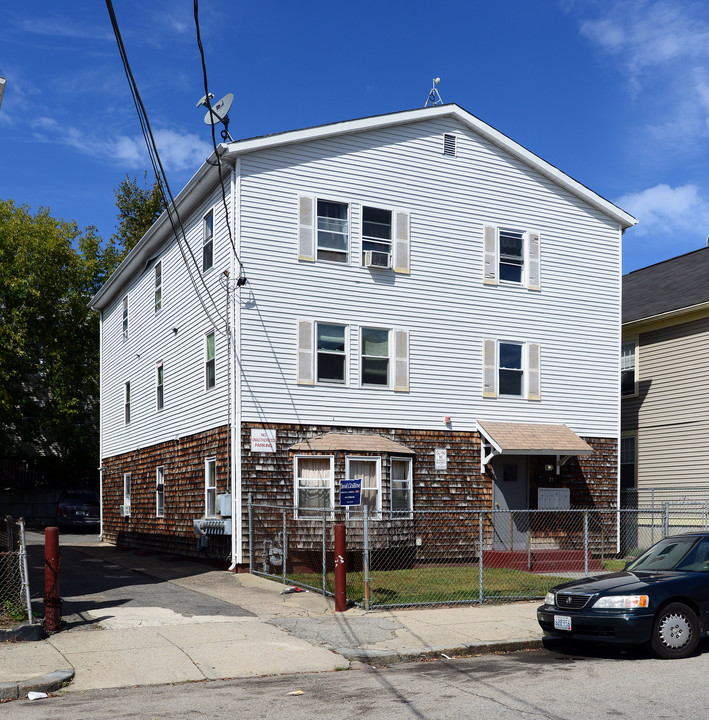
(533, 263)
(306, 235)
(490, 255)
(305, 352)
(489, 368)
(534, 371)
(401, 361)
(401, 243)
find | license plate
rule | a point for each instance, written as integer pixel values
(562, 622)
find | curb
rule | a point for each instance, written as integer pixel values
(23, 633)
(44, 683)
(392, 657)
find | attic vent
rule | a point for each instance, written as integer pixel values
(449, 144)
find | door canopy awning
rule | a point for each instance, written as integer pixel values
(352, 442)
(511, 438)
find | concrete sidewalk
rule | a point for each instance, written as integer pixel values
(299, 632)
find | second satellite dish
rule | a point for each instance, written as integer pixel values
(219, 110)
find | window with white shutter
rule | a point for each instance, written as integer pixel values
(306, 237)
(305, 353)
(511, 257)
(401, 361)
(402, 244)
(511, 369)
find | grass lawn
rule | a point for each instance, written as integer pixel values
(437, 585)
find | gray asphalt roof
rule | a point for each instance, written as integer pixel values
(670, 285)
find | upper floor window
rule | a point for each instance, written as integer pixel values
(158, 287)
(314, 484)
(208, 241)
(511, 257)
(376, 231)
(159, 382)
(627, 368)
(210, 487)
(331, 353)
(160, 491)
(126, 402)
(210, 376)
(125, 317)
(511, 369)
(332, 231)
(375, 356)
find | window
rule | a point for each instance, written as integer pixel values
(376, 230)
(332, 233)
(375, 357)
(126, 403)
(511, 369)
(627, 368)
(210, 487)
(331, 353)
(160, 491)
(369, 471)
(627, 462)
(511, 257)
(158, 287)
(208, 241)
(314, 485)
(402, 497)
(159, 377)
(126, 490)
(209, 366)
(125, 317)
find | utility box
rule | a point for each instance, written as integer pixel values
(225, 505)
(554, 499)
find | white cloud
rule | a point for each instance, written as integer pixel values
(663, 210)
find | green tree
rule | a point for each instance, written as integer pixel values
(138, 208)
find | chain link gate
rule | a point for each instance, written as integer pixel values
(15, 605)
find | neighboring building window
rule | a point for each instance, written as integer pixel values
(627, 368)
(332, 231)
(125, 317)
(158, 287)
(402, 496)
(210, 377)
(331, 353)
(511, 369)
(210, 487)
(314, 485)
(375, 357)
(126, 403)
(369, 471)
(627, 462)
(126, 490)
(160, 491)
(208, 241)
(511, 256)
(376, 230)
(159, 378)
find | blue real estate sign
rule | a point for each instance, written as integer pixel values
(351, 492)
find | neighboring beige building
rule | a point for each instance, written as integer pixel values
(665, 376)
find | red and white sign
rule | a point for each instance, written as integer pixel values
(263, 440)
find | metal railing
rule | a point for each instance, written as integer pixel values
(15, 605)
(449, 557)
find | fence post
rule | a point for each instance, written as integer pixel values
(480, 557)
(365, 520)
(666, 520)
(251, 535)
(585, 543)
(324, 554)
(284, 544)
(706, 505)
(340, 568)
(24, 570)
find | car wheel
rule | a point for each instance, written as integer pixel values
(675, 633)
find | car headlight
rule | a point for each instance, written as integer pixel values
(622, 601)
(549, 598)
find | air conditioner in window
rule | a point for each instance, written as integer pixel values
(377, 259)
(125, 511)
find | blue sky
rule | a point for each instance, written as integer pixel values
(613, 92)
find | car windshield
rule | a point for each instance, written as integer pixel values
(675, 553)
(86, 498)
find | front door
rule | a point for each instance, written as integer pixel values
(510, 492)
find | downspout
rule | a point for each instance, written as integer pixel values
(100, 424)
(619, 401)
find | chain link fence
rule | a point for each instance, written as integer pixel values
(456, 557)
(15, 603)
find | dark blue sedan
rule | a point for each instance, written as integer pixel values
(661, 599)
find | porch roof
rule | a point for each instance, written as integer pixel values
(512, 438)
(352, 442)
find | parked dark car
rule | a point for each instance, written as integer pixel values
(661, 599)
(78, 509)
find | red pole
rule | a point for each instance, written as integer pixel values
(52, 560)
(340, 568)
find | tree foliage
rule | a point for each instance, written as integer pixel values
(138, 208)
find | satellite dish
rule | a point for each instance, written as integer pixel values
(219, 110)
(203, 101)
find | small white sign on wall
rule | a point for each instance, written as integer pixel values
(263, 440)
(441, 458)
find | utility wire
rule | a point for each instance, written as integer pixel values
(214, 138)
(160, 175)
